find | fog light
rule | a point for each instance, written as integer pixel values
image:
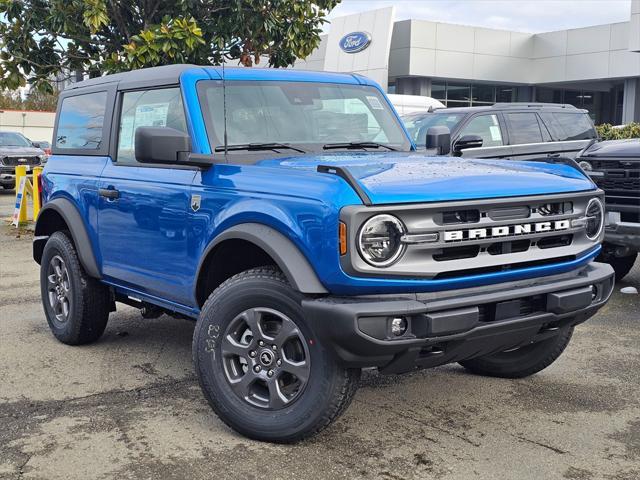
(594, 292)
(398, 326)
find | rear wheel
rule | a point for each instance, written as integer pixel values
(259, 364)
(523, 361)
(76, 305)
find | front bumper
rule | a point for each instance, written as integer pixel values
(7, 177)
(451, 326)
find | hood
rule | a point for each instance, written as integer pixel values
(397, 177)
(9, 151)
(614, 148)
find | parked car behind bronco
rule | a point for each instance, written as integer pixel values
(615, 167)
(15, 150)
(519, 131)
(288, 213)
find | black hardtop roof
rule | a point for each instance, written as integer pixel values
(170, 75)
(165, 75)
(615, 148)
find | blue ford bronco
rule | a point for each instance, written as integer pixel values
(289, 213)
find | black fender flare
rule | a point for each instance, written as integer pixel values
(71, 216)
(284, 252)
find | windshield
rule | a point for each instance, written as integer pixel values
(417, 125)
(10, 139)
(309, 116)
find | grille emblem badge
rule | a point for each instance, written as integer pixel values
(505, 230)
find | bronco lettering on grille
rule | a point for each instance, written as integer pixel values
(505, 230)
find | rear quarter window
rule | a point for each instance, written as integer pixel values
(523, 128)
(569, 126)
(81, 121)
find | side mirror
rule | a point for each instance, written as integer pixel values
(36, 144)
(161, 145)
(467, 141)
(439, 138)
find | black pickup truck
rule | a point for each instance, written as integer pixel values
(614, 166)
(15, 150)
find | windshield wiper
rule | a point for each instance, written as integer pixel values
(259, 146)
(354, 145)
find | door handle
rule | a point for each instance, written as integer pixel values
(110, 193)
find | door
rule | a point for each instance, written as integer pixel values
(529, 137)
(488, 127)
(144, 209)
(571, 130)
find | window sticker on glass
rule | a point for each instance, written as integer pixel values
(153, 115)
(374, 102)
(126, 133)
(496, 136)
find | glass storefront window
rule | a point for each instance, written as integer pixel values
(506, 94)
(458, 93)
(439, 91)
(573, 97)
(483, 94)
(548, 95)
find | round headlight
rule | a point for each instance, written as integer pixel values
(586, 166)
(595, 218)
(379, 241)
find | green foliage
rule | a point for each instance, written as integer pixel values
(44, 102)
(42, 39)
(607, 131)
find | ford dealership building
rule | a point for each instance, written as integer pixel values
(596, 68)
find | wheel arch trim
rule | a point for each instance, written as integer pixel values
(71, 216)
(282, 250)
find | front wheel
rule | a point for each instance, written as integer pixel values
(76, 305)
(259, 364)
(521, 362)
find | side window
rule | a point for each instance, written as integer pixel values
(80, 122)
(546, 136)
(523, 128)
(487, 127)
(570, 126)
(148, 108)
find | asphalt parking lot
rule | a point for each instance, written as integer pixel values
(129, 406)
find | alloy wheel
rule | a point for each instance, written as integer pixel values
(59, 289)
(265, 357)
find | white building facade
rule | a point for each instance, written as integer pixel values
(596, 68)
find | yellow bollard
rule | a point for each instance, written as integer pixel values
(37, 171)
(21, 171)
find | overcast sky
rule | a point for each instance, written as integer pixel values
(520, 15)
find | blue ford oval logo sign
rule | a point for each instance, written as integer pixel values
(355, 42)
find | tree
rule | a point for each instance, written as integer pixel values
(44, 39)
(35, 100)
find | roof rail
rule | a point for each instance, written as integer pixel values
(532, 104)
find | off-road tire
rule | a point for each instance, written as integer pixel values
(327, 392)
(89, 300)
(523, 361)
